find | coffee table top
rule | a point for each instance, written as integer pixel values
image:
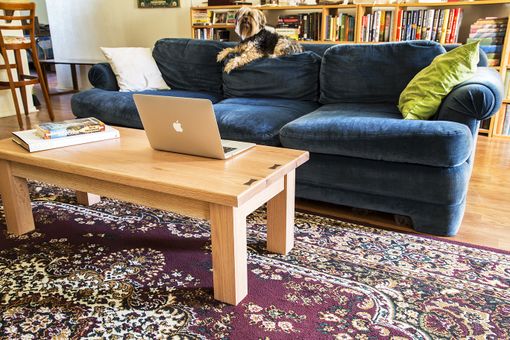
(131, 161)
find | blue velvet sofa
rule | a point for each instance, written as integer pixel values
(339, 103)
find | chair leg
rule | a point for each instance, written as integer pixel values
(40, 77)
(12, 87)
(23, 89)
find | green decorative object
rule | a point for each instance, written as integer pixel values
(423, 95)
(158, 3)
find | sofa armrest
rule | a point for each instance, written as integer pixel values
(101, 76)
(473, 100)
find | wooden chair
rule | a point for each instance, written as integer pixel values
(25, 14)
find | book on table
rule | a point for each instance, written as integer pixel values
(32, 142)
(69, 127)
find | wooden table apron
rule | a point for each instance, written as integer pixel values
(228, 223)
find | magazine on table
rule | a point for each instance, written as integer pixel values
(69, 127)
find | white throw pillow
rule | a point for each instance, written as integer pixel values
(135, 69)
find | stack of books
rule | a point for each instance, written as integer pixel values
(340, 28)
(201, 17)
(490, 32)
(66, 133)
(306, 25)
(440, 25)
(377, 26)
(288, 26)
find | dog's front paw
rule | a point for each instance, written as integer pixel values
(222, 55)
(229, 66)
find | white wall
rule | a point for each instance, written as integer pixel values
(40, 11)
(80, 27)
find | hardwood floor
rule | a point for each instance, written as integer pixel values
(487, 218)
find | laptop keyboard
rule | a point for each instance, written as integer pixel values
(227, 149)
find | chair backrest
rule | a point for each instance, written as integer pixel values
(22, 12)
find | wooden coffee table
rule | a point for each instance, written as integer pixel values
(224, 192)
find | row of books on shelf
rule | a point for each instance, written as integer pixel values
(377, 26)
(440, 25)
(339, 27)
(203, 33)
(220, 34)
(490, 32)
(306, 26)
(66, 133)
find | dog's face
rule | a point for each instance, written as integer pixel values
(249, 21)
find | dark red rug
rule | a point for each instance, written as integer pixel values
(117, 270)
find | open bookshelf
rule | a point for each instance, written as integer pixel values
(339, 17)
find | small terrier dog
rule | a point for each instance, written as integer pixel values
(256, 41)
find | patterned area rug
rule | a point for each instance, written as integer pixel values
(117, 270)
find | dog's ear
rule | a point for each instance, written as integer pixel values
(261, 18)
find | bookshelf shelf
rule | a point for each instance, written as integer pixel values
(473, 10)
(213, 26)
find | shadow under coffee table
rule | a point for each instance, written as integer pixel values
(222, 191)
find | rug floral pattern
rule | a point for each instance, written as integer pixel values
(117, 270)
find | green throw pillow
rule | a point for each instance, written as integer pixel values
(423, 95)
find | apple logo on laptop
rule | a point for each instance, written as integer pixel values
(177, 126)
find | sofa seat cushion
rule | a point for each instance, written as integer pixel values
(378, 132)
(118, 108)
(258, 120)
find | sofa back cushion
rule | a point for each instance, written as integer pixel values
(293, 76)
(190, 65)
(372, 73)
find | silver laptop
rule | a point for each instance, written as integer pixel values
(185, 125)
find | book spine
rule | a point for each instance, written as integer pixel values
(341, 29)
(409, 25)
(459, 23)
(369, 27)
(382, 25)
(434, 25)
(347, 27)
(388, 27)
(363, 28)
(453, 28)
(399, 25)
(430, 25)
(413, 25)
(439, 25)
(445, 25)
(418, 25)
(449, 25)
(377, 26)
(352, 27)
(423, 34)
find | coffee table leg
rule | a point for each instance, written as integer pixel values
(16, 201)
(84, 198)
(280, 218)
(229, 254)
